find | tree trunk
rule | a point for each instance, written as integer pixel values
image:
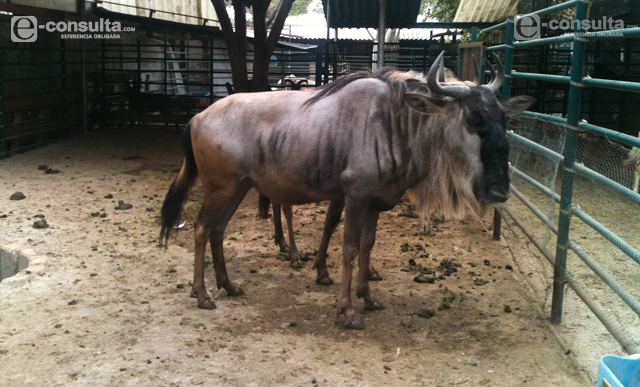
(264, 44)
(261, 57)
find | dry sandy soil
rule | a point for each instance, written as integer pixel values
(100, 304)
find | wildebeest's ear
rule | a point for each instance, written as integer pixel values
(517, 105)
(424, 104)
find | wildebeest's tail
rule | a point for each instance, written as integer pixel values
(263, 207)
(177, 195)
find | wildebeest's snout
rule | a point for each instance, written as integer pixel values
(499, 193)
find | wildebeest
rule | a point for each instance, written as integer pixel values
(362, 139)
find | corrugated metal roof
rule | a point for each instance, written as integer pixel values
(364, 13)
(485, 10)
(190, 12)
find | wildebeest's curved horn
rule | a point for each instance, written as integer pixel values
(451, 91)
(493, 71)
(496, 83)
(441, 77)
(476, 71)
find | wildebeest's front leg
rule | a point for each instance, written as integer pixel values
(355, 213)
(425, 225)
(320, 263)
(277, 225)
(294, 254)
(330, 224)
(367, 241)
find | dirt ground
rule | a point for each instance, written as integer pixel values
(101, 305)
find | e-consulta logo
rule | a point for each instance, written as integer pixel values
(24, 29)
(528, 27)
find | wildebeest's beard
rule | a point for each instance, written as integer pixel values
(451, 186)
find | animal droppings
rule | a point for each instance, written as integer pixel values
(426, 313)
(423, 279)
(17, 196)
(123, 206)
(40, 224)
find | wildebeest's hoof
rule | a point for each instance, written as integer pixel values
(235, 291)
(355, 324)
(296, 264)
(326, 281)
(374, 306)
(425, 230)
(207, 304)
(284, 247)
(374, 276)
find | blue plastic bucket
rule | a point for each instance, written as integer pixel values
(616, 371)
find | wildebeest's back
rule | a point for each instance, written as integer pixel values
(269, 133)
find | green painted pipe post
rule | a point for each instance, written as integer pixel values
(569, 153)
(474, 34)
(508, 57)
(506, 93)
(3, 145)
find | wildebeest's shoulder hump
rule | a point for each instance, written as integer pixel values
(342, 82)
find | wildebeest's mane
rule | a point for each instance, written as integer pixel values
(396, 88)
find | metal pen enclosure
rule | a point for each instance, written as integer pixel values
(574, 144)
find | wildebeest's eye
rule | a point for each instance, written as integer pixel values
(476, 121)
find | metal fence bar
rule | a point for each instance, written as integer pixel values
(494, 28)
(570, 168)
(496, 48)
(602, 230)
(614, 34)
(541, 77)
(608, 133)
(580, 168)
(611, 84)
(3, 144)
(508, 57)
(627, 297)
(545, 11)
(573, 116)
(545, 41)
(557, 157)
(616, 331)
(607, 234)
(619, 188)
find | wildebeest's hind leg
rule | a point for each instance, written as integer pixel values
(367, 241)
(294, 254)
(210, 224)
